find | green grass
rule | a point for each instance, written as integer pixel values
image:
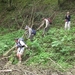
(58, 45)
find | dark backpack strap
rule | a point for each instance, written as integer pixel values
(19, 45)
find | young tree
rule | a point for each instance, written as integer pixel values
(9, 3)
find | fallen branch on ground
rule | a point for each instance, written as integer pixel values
(5, 57)
(8, 70)
(57, 64)
(6, 54)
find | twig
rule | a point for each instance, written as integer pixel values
(8, 70)
(4, 57)
(26, 71)
(16, 21)
(57, 64)
(32, 22)
(23, 22)
(16, 16)
(9, 51)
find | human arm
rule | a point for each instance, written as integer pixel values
(41, 25)
(47, 23)
(67, 18)
(26, 46)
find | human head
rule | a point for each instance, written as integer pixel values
(26, 27)
(68, 13)
(16, 40)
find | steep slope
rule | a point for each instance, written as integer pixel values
(47, 55)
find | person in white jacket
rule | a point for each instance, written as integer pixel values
(47, 25)
(20, 46)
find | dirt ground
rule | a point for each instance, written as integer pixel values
(7, 68)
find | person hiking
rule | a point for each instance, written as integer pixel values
(31, 32)
(20, 45)
(47, 23)
(67, 21)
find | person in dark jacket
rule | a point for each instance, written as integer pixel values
(67, 21)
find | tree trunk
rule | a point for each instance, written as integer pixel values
(59, 3)
(9, 3)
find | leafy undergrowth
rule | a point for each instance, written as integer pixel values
(58, 46)
(57, 49)
(54, 49)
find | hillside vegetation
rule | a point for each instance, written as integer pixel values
(55, 50)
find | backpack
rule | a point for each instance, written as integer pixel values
(33, 31)
(20, 39)
(50, 21)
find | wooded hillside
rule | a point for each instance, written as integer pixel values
(46, 55)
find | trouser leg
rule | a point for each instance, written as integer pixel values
(31, 37)
(68, 25)
(46, 30)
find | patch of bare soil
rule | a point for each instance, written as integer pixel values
(7, 68)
